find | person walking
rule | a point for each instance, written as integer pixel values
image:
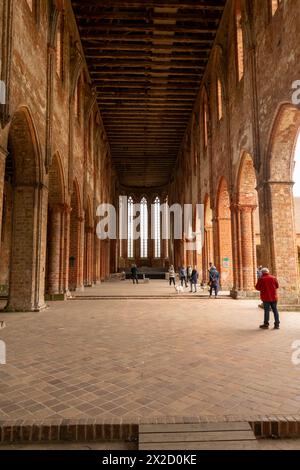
(214, 281)
(189, 273)
(134, 274)
(194, 279)
(267, 285)
(259, 272)
(172, 275)
(183, 276)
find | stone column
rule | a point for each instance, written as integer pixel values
(54, 246)
(3, 155)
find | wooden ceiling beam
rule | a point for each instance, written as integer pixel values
(214, 5)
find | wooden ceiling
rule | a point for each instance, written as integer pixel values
(146, 59)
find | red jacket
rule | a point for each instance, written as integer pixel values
(268, 285)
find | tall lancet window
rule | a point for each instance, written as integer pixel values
(144, 228)
(130, 251)
(157, 229)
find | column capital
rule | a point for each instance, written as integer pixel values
(246, 207)
(60, 207)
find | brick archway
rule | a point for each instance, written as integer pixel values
(56, 246)
(76, 235)
(208, 249)
(25, 259)
(88, 245)
(277, 203)
(245, 227)
(224, 256)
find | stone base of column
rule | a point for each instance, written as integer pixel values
(56, 297)
(79, 289)
(11, 308)
(244, 294)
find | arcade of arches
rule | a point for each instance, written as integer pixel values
(193, 104)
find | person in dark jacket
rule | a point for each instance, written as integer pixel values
(268, 285)
(214, 281)
(194, 279)
(183, 276)
(134, 274)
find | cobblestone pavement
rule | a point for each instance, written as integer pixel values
(146, 358)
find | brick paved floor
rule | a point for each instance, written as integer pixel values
(146, 358)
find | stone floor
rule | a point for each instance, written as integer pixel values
(153, 288)
(148, 358)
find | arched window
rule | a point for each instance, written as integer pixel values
(296, 176)
(157, 229)
(59, 49)
(130, 251)
(77, 99)
(239, 41)
(144, 227)
(219, 99)
(30, 4)
(274, 5)
(205, 123)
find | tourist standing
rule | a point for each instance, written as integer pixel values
(183, 276)
(134, 274)
(194, 279)
(268, 285)
(172, 275)
(214, 281)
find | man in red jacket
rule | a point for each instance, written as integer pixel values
(268, 285)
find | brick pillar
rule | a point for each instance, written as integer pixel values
(3, 155)
(55, 250)
(80, 266)
(247, 248)
(279, 238)
(27, 273)
(207, 252)
(66, 219)
(88, 281)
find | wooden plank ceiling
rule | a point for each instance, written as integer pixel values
(146, 59)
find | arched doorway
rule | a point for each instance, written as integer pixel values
(224, 245)
(277, 219)
(22, 253)
(207, 251)
(76, 220)
(55, 268)
(246, 228)
(88, 245)
(296, 194)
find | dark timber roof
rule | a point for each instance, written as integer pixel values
(146, 59)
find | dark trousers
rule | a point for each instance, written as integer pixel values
(172, 281)
(214, 289)
(193, 285)
(183, 280)
(135, 279)
(267, 307)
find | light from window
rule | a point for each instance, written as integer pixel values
(30, 4)
(157, 229)
(205, 124)
(130, 251)
(59, 50)
(240, 41)
(144, 227)
(275, 5)
(220, 99)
